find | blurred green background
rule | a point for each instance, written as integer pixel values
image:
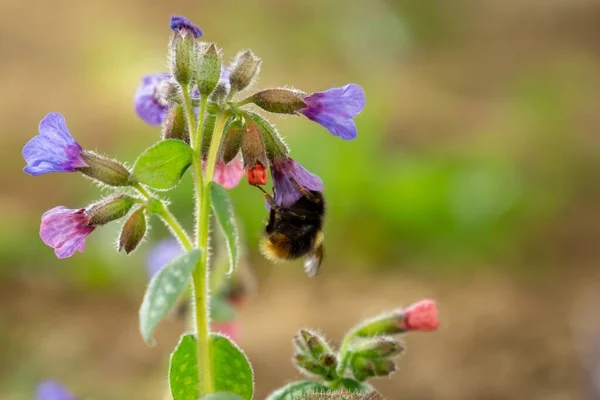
(474, 180)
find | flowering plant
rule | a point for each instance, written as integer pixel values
(206, 127)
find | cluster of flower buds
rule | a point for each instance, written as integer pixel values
(367, 351)
(251, 145)
(313, 355)
(372, 346)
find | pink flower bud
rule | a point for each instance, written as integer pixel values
(421, 316)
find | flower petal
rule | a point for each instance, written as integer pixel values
(422, 316)
(146, 100)
(54, 149)
(336, 125)
(180, 23)
(229, 175)
(284, 172)
(335, 109)
(65, 230)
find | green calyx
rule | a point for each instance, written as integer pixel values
(105, 170)
(110, 209)
(183, 57)
(209, 70)
(280, 101)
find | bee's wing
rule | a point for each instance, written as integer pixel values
(313, 261)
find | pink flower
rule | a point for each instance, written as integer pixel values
(229, 175)
(421, 316)
(65, 230)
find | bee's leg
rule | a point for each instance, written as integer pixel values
(306, 193)
(269, 198)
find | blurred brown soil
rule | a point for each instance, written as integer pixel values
(500, 339)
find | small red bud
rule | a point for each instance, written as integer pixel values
(421, 316)
(257, 175)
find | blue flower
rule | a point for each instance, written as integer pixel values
(287, 175)
(184, 25)
(54, 150)
(147, 100)
(335, 109)
(161, 254)
(52, 390)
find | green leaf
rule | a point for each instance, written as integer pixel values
(183, 370)
(222, 396)
(294, 390)
(231, 368)
(232, 372)
(356, 386)
(164, 290)
(162, 165)
(221, 204)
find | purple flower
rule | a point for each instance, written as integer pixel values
(285, 171)
(335, 109)
(184, 25)
(65, 230)
(54, 150)
(52, 390)
(161, 254)
(147, 100)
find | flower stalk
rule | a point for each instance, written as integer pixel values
(200, 275)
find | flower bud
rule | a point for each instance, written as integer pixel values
(244, 70)
(207, 131)
(182, 59)
(310, 366)
(363, 368)
(232, 140)
(420, 316)
(257, 175)
(299, 344)
(281, 101)
(110, 209)
(273, 143)
(220, 93)
(328, 361)
(253, 148)
(133, 231)
(105, 170)
(175, 125)
(384, 324)
(316, 344)
(377, 348)
(209, 70)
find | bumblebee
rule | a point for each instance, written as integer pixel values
(296, 231)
